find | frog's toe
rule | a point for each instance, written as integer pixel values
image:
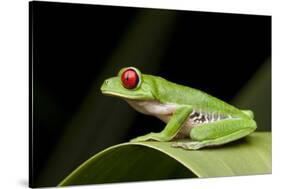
(134, 140)
(138, 139)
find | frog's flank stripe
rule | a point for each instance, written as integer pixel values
(199, 117)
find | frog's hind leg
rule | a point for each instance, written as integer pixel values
(218, 133)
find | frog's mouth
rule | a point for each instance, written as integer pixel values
(111, 93)
(124, 96)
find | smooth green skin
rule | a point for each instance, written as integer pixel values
(187, 99)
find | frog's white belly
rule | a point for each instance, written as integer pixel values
(162, 111)
(153, 107)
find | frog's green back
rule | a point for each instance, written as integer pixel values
(169, 92)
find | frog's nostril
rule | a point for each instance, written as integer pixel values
(106, 82)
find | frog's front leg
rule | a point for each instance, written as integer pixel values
(172, 127)
(218, 133)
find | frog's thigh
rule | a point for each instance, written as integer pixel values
(222, 128)
(218, 133)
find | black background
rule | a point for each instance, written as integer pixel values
(73, 47)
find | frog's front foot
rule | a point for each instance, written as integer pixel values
(143, 138)
(139, 139)
(151, 137)
(188, 145)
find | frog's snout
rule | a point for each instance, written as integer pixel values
(106, 82)
(105, 85)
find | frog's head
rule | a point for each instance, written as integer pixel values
(129, 84)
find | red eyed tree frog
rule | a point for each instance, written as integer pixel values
(187, 112)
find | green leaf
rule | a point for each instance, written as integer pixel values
(158, 160)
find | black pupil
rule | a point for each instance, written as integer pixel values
(127, 77)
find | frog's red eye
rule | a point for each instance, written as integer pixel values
(130, 78)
